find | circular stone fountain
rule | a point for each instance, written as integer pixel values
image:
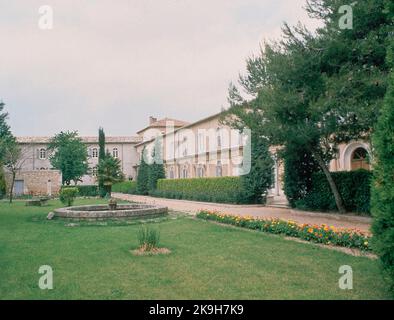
(104, 212)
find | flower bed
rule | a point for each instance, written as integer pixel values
(350, 238)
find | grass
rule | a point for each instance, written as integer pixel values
(207, 261)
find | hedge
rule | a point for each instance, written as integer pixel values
(129, 187)
(221, 189)
(354, 187)
(86, 191)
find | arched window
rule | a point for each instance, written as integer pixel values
(94, 153)
(360, 159)
(43, 154)
(200, 171)
(219, 138)
(184, 172)
(219, 169)
(115, 153)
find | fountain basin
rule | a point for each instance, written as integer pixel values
(104, 212)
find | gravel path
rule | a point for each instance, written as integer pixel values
(192, 207)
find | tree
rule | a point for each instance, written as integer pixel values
(299, 166)
(69, 155)
(382, 200)
(5, 135)
(156, 168)
(143, 175)
(260, 177)
(102, 154)
(109, 171)
(13, 161)
(317, 90)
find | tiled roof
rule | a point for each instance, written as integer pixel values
(163, 122)
(45, 140)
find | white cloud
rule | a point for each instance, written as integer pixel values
(115, 63)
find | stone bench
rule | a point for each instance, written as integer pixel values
(38, 202)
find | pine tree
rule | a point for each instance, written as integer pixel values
(382, 202)
(156, 168)
(143, 175)
(256, 182)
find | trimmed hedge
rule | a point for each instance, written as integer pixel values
(129, 187)
(86, 191)
(354, 187)
(221, 189)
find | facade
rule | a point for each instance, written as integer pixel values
(205, 148)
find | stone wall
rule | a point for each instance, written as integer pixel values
(38, 182)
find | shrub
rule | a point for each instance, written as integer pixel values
(323, 234)
(129, 187)
(354, 187)
(88, 191)
(222, 189)
(383, 182)
(148, 238)
(68, 195)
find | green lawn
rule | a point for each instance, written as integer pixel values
(208, 261)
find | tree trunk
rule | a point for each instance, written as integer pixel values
(12, 186)
(331, 182)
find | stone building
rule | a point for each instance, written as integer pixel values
(205, 148)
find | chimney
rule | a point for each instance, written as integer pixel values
(152, 120)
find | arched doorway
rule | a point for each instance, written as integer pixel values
(360, 159)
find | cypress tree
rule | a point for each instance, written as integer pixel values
(156, 169)
(143, 176)
(102, 155)
(383, 183)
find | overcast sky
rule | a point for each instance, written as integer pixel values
(114, 63)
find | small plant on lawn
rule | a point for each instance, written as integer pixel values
(68, 195)
(148, 238)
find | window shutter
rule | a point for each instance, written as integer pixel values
(38, 153)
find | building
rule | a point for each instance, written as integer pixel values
(205, 148)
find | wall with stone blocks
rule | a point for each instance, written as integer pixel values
(38, 182)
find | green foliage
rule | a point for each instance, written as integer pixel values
(222, 189)
(109, 171)
(354, 187)
(299, 166)
(156, 168)
(383, 180)
(128, 187)
(148, 238)
(68, 195)
(318, 89)
(69, 155)
(259, 179)
(143, 175)
(102, 153)
(87, 191)
(5, 132)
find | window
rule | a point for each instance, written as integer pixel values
(94, 172)
(184, 172)
(172, 173)
(43, 154)
(360, 159)
(200, 171)
(219, 170)
(219, 137)
(115, 153)
(94, 153)
(201, 142)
